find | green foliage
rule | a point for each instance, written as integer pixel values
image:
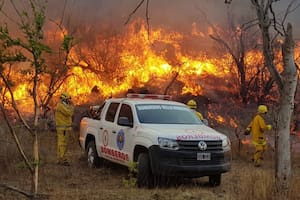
(8, 55)
(39, 47)
(39, 22)
(131, 180)
(5, 38)
(132, 167)
(32, 30)
(67, 42)
(33, 163)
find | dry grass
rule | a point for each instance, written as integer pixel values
(79, 182)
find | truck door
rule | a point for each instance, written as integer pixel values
(125, 134)
(108, 132)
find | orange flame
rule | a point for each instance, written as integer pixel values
(246, 141)
(139, 68)
(146, 61)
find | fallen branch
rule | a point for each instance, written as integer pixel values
(28, 195)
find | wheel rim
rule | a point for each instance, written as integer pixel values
(91, 157)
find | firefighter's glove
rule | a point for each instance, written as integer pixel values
(247, 131)
(269, 127)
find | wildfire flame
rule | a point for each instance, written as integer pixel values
(246, 141)
(145, 60)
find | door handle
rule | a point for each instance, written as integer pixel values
(114, 132)
(101, 128)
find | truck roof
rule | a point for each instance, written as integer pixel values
(146, 99)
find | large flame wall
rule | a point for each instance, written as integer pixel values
(136, 59)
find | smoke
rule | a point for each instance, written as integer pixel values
(176, 14)
(161, 12)
(93, 17)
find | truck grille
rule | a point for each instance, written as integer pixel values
(215, 159)
(193, 145)
(191, 160)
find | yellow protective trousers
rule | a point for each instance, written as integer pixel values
(62, 144)
(258, 154)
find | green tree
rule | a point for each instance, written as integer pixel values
(28, 47)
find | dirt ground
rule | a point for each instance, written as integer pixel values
(80, 182)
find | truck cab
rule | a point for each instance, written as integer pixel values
(164, 137)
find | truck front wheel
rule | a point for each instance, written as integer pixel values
(215, 180)
(144, 175)
(92, 157)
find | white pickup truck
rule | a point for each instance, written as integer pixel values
(164, 137)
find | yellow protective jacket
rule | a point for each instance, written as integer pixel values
(63, 116)
(199, 115)
(258, 127)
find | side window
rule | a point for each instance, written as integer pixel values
(126, 112)
(111, 112)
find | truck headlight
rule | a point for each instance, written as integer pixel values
(226, 143)
(166, 143)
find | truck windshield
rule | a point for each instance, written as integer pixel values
(165, 114)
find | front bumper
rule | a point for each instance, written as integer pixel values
(185, 163)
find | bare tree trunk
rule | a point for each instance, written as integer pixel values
(264, 24)
(289, 78)
(16, 139)
(286, 82)
(239, 59)
(242, 73)
(35, 175)
(171, 83)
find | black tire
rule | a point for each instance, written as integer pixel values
(93, 159)
(144, 174)
(215, 180)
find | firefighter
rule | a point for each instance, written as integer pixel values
(258, 127)
(193, 105)
(63, 119)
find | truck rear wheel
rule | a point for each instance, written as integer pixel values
(215, 180)
(92, 157)
(144, 175)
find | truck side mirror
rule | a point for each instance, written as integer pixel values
(124, 121)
